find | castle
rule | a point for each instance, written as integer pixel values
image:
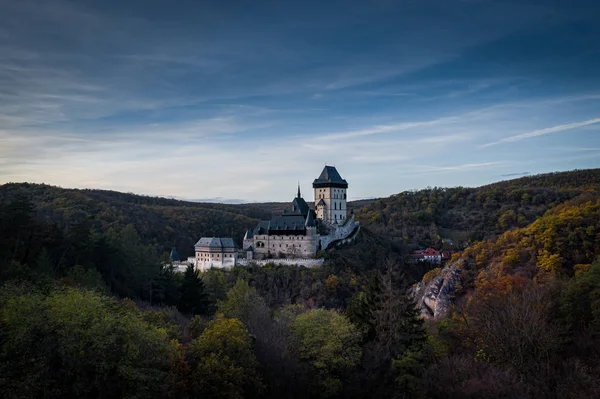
(294, 233)
(293, 237)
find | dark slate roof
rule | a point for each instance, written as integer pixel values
(287, 222)
(215, 242)
(330, 176)
(300, 206)
(310, 221)
(261, 228)
(248, 234)
(321, 202)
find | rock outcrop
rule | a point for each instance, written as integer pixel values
(435, 297)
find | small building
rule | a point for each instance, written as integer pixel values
(428, 255)
(215, 252)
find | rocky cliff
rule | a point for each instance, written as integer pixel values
(436, 296)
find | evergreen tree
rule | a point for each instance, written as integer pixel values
(397, 356)
(192, 294)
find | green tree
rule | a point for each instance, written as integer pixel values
(223, 365)
(74, 343)
(192, 295)
(329, 343)
(241, 303)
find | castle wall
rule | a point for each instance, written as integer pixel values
(290, 246)
(307, 262)
(339, 232)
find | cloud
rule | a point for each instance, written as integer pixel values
(465, 166)
(543, 132)
(378, 129)
(515, 174)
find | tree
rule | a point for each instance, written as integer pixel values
(241, 303)
(397, 357)
(329, 343)
(75, 343)
(223, 365)
(192, 295)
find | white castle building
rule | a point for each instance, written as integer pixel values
(215, 252)
(294, 233)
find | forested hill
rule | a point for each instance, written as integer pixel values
(164, 222)
(414, 218)
(424, 217)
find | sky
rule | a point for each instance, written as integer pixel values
(241, 100)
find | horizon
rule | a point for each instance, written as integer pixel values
(236, 101)
(233, 201)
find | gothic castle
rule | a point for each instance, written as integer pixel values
(294, 237)
(295, 233)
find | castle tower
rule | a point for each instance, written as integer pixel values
(330, 196)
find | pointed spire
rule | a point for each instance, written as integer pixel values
(298, 188)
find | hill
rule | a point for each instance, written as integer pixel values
(162, 222)
(422, 218)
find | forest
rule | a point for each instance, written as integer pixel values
(91, 307)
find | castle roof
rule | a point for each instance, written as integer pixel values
(215, 242)
(310, 221)
(300, 206)
(330, 177)
(248, 234)
(321, 203)
(287, 223)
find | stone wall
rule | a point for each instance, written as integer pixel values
(300, 245)
(307, 262)
(339, 233)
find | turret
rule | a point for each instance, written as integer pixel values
(330, 196)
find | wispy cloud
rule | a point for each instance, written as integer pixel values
(378, 129)
(543, 132)
(515, 174)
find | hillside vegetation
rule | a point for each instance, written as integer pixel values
(422, 218)
(163, 222)
(90, 307)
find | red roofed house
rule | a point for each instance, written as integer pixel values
(427, 255)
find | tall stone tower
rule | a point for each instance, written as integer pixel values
(330, 196)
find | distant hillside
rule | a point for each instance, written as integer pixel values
(412, 218)
(424, 217)
(160, 221)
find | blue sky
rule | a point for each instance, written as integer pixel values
(240, 100)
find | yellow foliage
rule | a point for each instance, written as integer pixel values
(430, 275)
(550, 263)
(580, 269)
